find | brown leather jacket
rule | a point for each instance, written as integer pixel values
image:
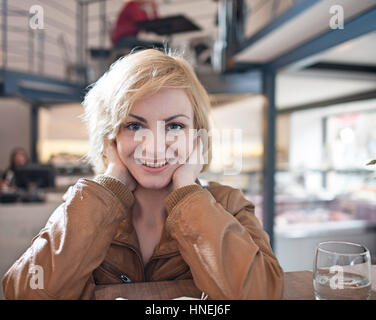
(211, 235)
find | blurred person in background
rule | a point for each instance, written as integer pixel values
(18, 158)
(124, 34)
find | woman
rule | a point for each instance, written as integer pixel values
(18, 157)
(140, 223)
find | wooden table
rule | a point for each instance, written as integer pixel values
(299, 285)
(158, 290)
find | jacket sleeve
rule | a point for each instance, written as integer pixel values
(228, 253)
(74, 242)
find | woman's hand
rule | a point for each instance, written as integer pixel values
(116, 168)
(188, 172)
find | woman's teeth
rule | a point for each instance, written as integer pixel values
(152, 164)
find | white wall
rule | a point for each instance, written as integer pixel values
(306, 137)
(296, 88)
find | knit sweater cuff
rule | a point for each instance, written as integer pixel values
(119, 189)
(174, 197)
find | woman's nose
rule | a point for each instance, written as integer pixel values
(155, 145)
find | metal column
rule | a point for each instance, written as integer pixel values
(79, 40)
(41, 36)
(85, 38)
(31, 50)
(325, 156)
(34, 111)
(269, 155)
(103, 35)
(4, 33)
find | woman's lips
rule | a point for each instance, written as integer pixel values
(168, 163)
(154, 170)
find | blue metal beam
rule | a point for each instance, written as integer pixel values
(39, 88)
(47, 97)
(13, 77)
(299, 7)
(232, 83)
(358, 26)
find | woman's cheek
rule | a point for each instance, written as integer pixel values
(185, 146)
(178, 151)
(124, 147)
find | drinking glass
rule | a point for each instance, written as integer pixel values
(341, 271)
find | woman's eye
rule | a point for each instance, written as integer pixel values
(175, 126)
(133, 126)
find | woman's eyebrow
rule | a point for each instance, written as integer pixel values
(167, 119)
(176, 116)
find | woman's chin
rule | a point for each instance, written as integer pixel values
(153, 182)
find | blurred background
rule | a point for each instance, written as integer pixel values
(298, 77)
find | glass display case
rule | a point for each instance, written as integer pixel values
(324, 188)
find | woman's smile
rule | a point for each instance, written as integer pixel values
(155, 169)
(155, 166)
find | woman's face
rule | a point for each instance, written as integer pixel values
(145, 137)
(19, 158)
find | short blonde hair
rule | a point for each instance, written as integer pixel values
(129, 79)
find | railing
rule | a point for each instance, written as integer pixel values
(38, 42)
(31, 40)
(61, 47)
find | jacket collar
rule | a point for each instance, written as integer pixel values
(126, 235)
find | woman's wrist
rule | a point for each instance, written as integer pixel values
(121, 190)
(177, 195)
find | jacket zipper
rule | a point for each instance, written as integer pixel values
(140, 258)
(123, 277)
(144, 267)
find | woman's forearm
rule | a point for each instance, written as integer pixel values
(73, 243)
(229, 255)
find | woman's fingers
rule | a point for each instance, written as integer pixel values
(111, 151)
(116, 168)
(196, 156)
(200, 151)
(188, 172)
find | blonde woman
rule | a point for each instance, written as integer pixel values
(146, 217)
